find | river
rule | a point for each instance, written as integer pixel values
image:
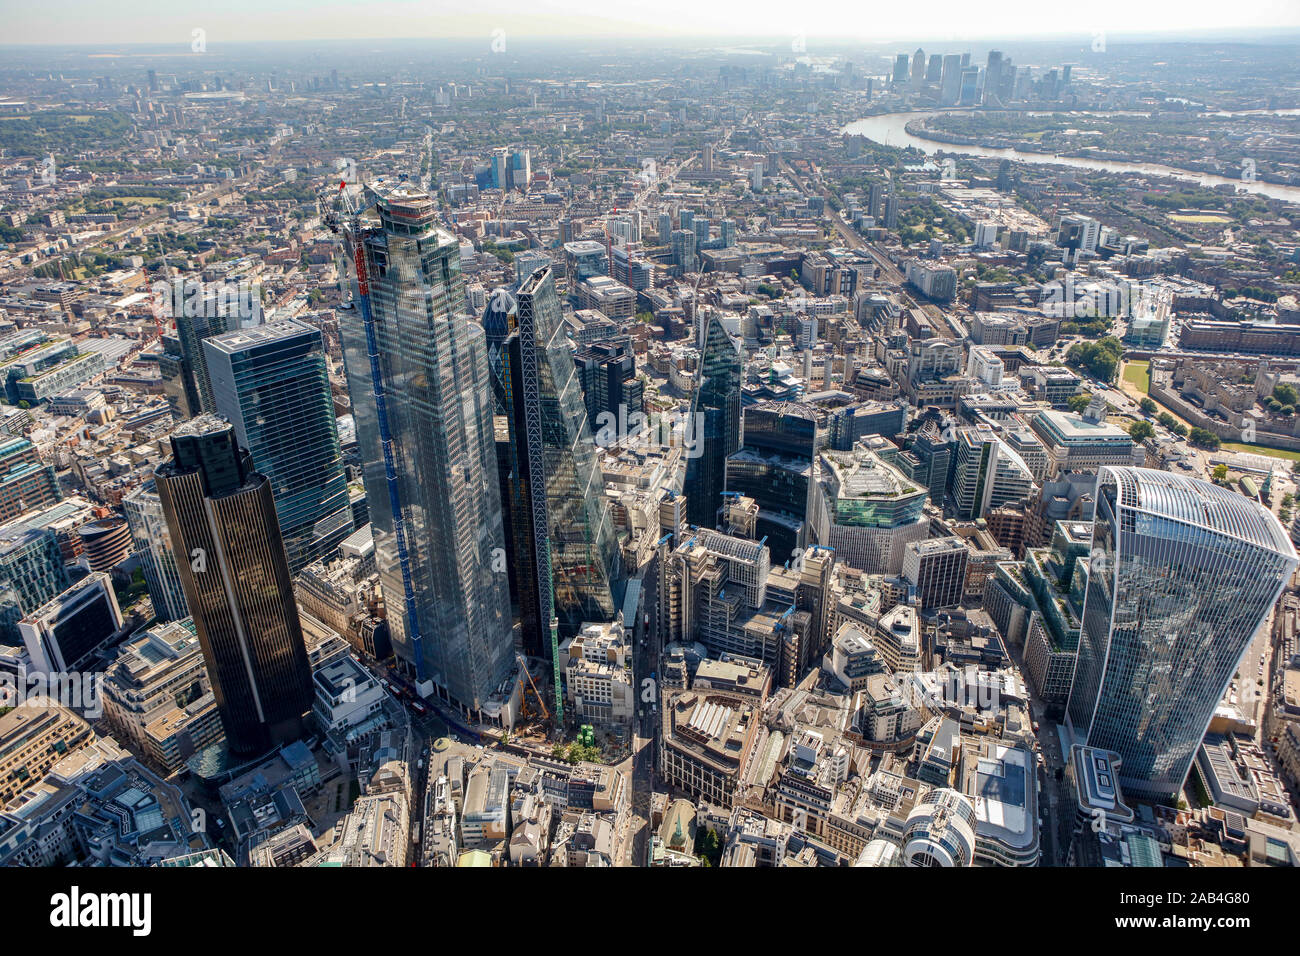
(890, 129)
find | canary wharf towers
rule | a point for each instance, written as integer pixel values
(417, 371)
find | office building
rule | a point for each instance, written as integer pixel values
(567, 564)
(866, 510)
(610, 386)
(1182, 575)
(937, 569)
(65, 634)
(418, 375)
(153, 543)
(157, 696)
(715, 421)
(272, 385)
(26, 481)
(222, 515)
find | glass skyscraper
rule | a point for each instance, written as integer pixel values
(270, 382)
(1182, 573)
(144, 514)
(715, 424)
(562, 535)
(418, 374)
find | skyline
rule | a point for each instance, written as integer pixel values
(84, 23)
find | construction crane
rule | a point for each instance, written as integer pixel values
(541, 702)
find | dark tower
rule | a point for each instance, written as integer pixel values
(714, 425)
(233, 568)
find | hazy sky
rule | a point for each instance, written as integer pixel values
(173, 21)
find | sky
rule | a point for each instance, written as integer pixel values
(117, 22)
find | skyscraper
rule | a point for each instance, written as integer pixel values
(221, 518)
(270, 382)
(1182, 574)
(607, 372)
(715, 421)
(567, 562)
(418, 374)
(153, 543)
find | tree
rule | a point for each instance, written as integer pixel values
(1220, 474)
(1286, 394)
(1100, 358)
(1148, 406)
(1141, 431)
(1203, 438)
(1079, 402)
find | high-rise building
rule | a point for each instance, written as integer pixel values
(866, 510)
(774, 467)
(26, 481)
(607, 371)
(221, 516)
(421, 394)
(715, 419)
(31, 572)
(993, 76)
(936, 567)
(270, 382)
(566, 559)
(198, 314)
(987, 473)
(950, 80)
(901, 66)
(153, 544)
(1182, 574)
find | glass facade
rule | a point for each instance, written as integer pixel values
(153, 543)
(270, 382)
(715, 410)
(1182, 573)
(558, 509)
(431, 364)
(221, 517)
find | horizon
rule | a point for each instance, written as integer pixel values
(77, 23)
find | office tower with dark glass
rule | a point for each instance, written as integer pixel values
(222, 520)
(774, 466)
(418, 375)
(714, 425)
(562, 537)
(270, 382)
(1182, 574)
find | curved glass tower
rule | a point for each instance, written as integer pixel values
(1182, 574)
